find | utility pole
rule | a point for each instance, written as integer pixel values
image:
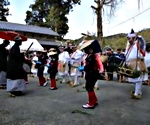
(98, 11)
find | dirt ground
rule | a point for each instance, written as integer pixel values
(41, 106)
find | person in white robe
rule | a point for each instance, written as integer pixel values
(135, 53)
(76, 58)
(63, 69)
(33, 69)
(147, 62)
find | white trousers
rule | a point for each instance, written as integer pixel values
(138, 88)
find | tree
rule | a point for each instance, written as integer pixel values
(51, 13)
(4, 12)
(112, 4)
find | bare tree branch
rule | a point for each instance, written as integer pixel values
(95, 1)
(93, 7)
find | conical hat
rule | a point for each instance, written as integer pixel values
(86, 44)
(52, 53)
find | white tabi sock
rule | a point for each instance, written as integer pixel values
(76, 80)
(138, 88)
(96, 84)
(56, 77)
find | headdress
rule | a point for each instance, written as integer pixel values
(131, 34)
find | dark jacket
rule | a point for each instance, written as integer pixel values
(15, 64)
(3, 57)
(53, 66)
(43, 60)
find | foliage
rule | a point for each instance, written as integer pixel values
(120, 40)
(4, 12)
(51, 13)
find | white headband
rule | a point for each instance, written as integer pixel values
(130, 35)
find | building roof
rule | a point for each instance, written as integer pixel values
(52, 43)
(27, 28)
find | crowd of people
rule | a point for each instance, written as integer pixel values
(71, 62)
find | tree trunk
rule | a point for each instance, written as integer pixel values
(99, 23)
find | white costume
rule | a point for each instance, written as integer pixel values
(133, 53)
(76, 59)
(33, 69)
(147, 63)
(63, 68)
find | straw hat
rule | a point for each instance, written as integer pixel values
(52, 49)
(86, 44)
(52, 53)
(43, 51)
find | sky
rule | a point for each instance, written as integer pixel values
(83, 18)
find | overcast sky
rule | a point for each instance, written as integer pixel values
(83, 19)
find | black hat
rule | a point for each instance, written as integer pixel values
(17, 38)
(94, 44)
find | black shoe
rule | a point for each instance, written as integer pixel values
(96, 104)
(2, 86)
(52, 88)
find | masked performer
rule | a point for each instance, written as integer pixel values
(93, 66)
(52, 70)
(15, 72)
(135, 53)
(3, 63)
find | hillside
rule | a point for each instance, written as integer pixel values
(119, 40)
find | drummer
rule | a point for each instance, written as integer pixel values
(135, 53)
(63, 59)
(15, 72)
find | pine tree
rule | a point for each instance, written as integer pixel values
(4, 12)
(51, 13)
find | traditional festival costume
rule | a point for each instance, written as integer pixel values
(92, 69)
(3, 63)
(135, 53)
(97, 49)
(40, 65)
(15, 72)
(63, 69)
(33, 69)
(76, 58)
(53, 69)
(147, 62)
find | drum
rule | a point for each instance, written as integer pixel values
(61, 67)
(133, 69)
(74, 70)
(26, 67)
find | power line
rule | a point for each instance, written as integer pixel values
(130, 18)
